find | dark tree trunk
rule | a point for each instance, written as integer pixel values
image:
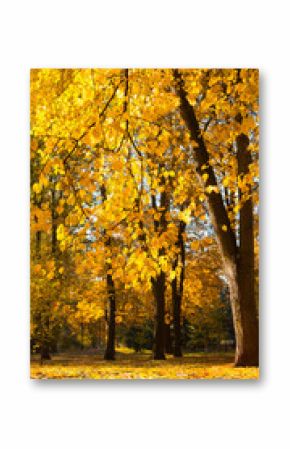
(111, 314)
(159, 336)
(235, 261)
(53, 223)
(82, 335)
(158, 284)
(177, 293)
(248, 351)
(111, 328)
(45, 340)
(111, 318)
(45, 324)
(176, 306)
(176, 300)
(44, 352)
(38, 245)
(168, 339)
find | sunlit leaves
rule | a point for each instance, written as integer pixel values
(37, 187)
(60, 232)
(104, 156)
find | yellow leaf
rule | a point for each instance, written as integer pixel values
(172, 275)
(224, 228)
(82, 194)
(71, 200)
(117, 165)
(50, 275)
(60, 234)
(154, 252)
(37, 188)
(194, 245)
(37, 268)
(43, 180)
(170, 173)
(226, 182)
(185, 216)
(210, 189)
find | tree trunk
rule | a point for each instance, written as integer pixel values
(111, 318)
(239, 275)
(168, 339)
(159, 337)
(177, 292)
(158, 284)
(248, 351)
(44, 352)
(82, 335)
(38, 245)
(45, 331)
(111, 329)
(176, 300)
(45, 340)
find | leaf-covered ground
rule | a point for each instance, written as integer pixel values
(140, 366)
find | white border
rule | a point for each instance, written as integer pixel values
(138, 414)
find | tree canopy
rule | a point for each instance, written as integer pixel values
(139, 182)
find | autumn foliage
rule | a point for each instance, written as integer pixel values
(144, 214)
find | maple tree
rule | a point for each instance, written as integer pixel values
(142, 182)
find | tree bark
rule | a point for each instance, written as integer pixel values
(111, 329)
(249, 351)
(158, 284)
(177, 293)
(168, 339)
(44, 352)
(176, 299)
(111, 318)
(238, 278)
(45, 321)
(159, 337)
(45, 340)
(38, 244)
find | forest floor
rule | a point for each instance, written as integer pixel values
(130, 365)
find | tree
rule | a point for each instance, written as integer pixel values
(238, 260)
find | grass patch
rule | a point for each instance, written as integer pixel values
(129, 365)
